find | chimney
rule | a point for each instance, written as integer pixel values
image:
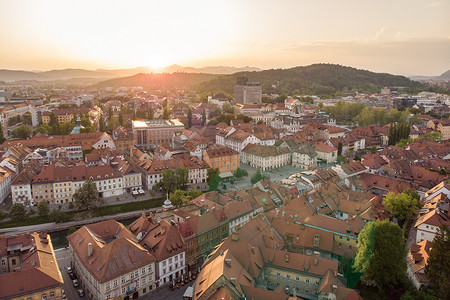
(297, 239)
(163, 230)
(271, 233)
(287, 257)
(228, 262)
(89, 249)
(253, 250)
(316, 241)
(315, 261)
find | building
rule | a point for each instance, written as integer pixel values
(21, 184)
(417, 261)
(57, 184)
(110, 263)
(5, 183)
(325, 153)
(223, 158)
(152, 170)
(63, 115)
(153, 133)
(28, 268)
(305, 158)
(246, 92)
(73, 143)
(164, 242)
(122, 137)
(265, 157)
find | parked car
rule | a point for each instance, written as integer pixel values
(72, 276)
(75, 283)
(69, 270)
(80, 293)
(64, 294)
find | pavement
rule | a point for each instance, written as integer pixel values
(162, 293)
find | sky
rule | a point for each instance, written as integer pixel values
(407, 37)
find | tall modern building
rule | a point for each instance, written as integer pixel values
(247, 92)
(154, 133)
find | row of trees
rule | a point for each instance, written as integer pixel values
(398, 132)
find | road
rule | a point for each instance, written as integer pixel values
(63, 259)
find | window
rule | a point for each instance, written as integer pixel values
(143, 271)
(108, 286)
(116, 283)
(123, 279)
(52, 294)
(44, 296)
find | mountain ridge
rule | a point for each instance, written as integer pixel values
(72, 73)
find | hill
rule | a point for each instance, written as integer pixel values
(86, 75)
(445, 76)
(158, 80)
(317, 79)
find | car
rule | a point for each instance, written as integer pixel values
(72, 276)
(80, 293)
(69, 270)
(64, 294)
(75, 283)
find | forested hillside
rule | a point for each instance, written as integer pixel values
(318, 79)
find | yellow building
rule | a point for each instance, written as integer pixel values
(29, 269)
(63, 115)
(223, 158)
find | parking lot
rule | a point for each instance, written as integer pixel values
(162, 293)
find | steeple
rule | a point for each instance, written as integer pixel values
(167, 204)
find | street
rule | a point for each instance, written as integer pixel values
(63, 259)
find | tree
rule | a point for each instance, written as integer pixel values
(71, 230)
(339, 149)
(86, 197)
(3, 215)
(173, 180)
(18, 212)
(256, 177)
(27, 118)
(120, 118)
(43, 209)
(189, 118)
(402, 206)
(438, 264)
(381, 253)
(240, 173)
(101, 124)
(150, 113)
(53, 119)
(57, 216)
(212, 173)
(110, 113)
(192, 194)
(214, 183)
(21, 132)
(178, 198)
(2, 138)
(203, 117)
(43, 128)
(373, 149)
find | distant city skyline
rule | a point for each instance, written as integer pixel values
(407, 37)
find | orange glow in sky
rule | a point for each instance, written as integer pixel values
(402, 36)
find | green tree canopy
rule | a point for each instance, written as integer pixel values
(21, 132)
(402, 206)
(178, 198)
(71, 230)
(18, 212)
(86, 197)
(211, 174)
(2, 137)
(381, 254)
(192, 194)
(257, 176)
(438, 264)
(43, 208)
(173, 180)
